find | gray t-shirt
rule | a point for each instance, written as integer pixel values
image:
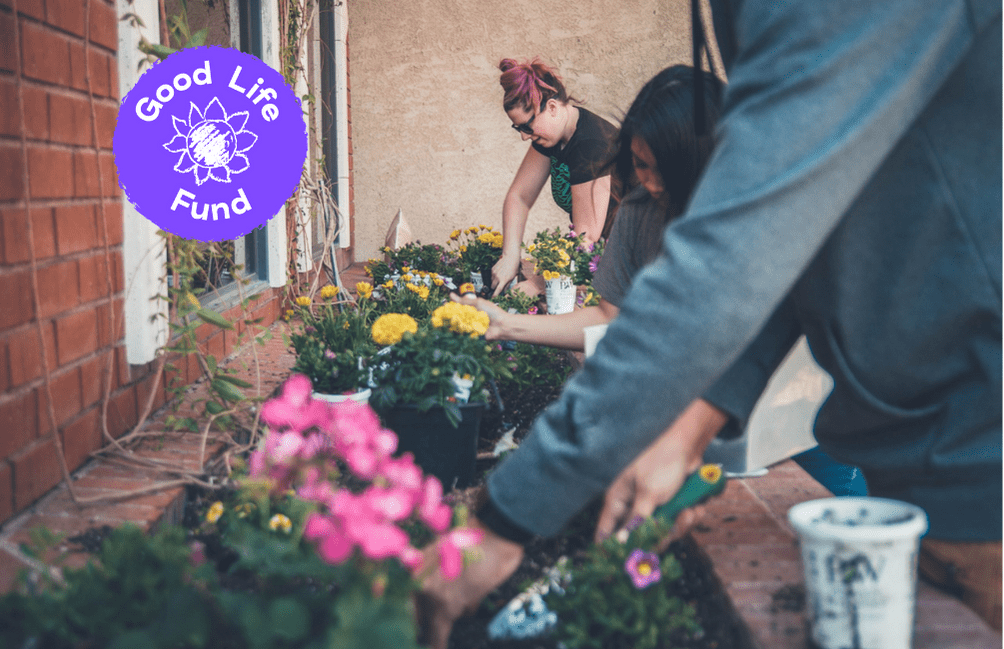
(634, 241)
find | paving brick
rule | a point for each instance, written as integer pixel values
(81, 437)
(143, 393)
(26, 355)
(101, 512)
(11, 172)
(76, 335)
(69, 118)
(58, 288)
(67, 15)
(45, 54)
(36, 471)
(6, 491)
(15, 234)
(104, 25)
(50, 172)
(17, 421)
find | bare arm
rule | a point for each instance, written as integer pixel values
(589, 207)
(564, 331)
(530, 178)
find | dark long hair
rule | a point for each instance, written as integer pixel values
(663, 116)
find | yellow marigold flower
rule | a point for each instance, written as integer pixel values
(412, 287)
(438, 281)
(280, 522)
(406, 277)
(454, 235)
(467, 287)
(461, 319)
(364, 290)
(328, 292)
(303, 300)
(388, 328)
(194, 301)
(389, 284)
(463, 248)
(550, 274)
(531, 247)
(497, 241)
(405, 269)
(423, 292)
(484, 227)
(711, 473)
(472, 230)
(215, 511)
(289, 314)
(486, 238)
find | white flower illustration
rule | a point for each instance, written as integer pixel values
(211, 144)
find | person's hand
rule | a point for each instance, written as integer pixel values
(440, 603)
(503, 272)
(657, 474)
(496, 315)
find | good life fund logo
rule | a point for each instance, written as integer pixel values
(210, 143)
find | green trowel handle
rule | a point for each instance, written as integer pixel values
(696, 489)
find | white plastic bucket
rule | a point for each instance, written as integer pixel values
(362, 396)
(560, 295)
(860, 562)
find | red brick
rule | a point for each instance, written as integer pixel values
(109, 175)
(36, 471)
(15, 234)
(143, 393)
(85, 174)
(45, 54)
(122, 412)
(217, 348)
(113, 217)
(11, 173)
(50, 172)
(113, 79)
(10, 567)
(82, 437)
(26, 356)
(69, 118)
(93, 378)
(6, 495)
(18, 422)
(36, 111)
(8, 58)
(78, 71)
(100, 64)
(106, 334)
(33, 8)
(105, 114)
(124, 374)
(104, 25)
(58, 288)
(94, 278)
(65, 390)
(76, 228)
(4, 374)
(194, 369)
(19, 310)
(76, 335)
(68, 15)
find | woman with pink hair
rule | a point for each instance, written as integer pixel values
(569, 144)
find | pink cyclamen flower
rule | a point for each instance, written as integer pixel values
(532, 310)
(643, 568)
(451, 547)
(431, 510)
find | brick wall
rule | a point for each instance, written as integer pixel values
(73, 204)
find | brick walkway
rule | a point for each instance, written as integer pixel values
(745, 534)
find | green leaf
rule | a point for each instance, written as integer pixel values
(241, 383)
(289, 619)
(214, 408)
(214, 318)
(158, 50)
(198, 38)
(227, 391)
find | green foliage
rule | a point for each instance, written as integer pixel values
(478, 248)
(415, 256)
(422, 369)
(531, 365)
(332, 345)
(416, 294)
(602, 607)
(516, 301)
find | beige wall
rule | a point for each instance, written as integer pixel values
(429, 133)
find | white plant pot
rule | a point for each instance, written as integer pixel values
(478, 281)
(860, 562)
(560, 295)
(362, 396)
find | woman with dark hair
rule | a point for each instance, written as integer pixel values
(569, 144)
(660, 156)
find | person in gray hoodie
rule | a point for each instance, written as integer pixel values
(854, 196)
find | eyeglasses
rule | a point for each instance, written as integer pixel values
(526, 127)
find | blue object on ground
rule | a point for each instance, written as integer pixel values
(841, 479)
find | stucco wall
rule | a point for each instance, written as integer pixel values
(429, 133)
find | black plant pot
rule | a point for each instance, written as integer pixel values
(440, 449)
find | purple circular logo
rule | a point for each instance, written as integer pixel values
(210, 143)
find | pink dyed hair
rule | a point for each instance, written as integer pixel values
(529, 84)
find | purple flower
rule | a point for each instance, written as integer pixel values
(308, 329)
(594, 263)
(643, 568)
(532, 310)
(330, 355)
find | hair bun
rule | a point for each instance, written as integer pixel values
(508, 64)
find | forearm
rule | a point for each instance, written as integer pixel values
(589, 207)
(514, 215)
(564, 331)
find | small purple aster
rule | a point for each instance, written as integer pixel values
(594, 263)
(330, 355)
(643, 568)
(308, 329)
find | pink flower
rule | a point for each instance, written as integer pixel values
(431, 510)
(643, 568)
(381, 541)
(197, 557)
(394, 504)
(410, 558)
(330, 355)
(532, 310)
(403, 472)
(335, 548)
(256, 463)
(451, 546)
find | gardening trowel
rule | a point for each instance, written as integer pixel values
(527, 615)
